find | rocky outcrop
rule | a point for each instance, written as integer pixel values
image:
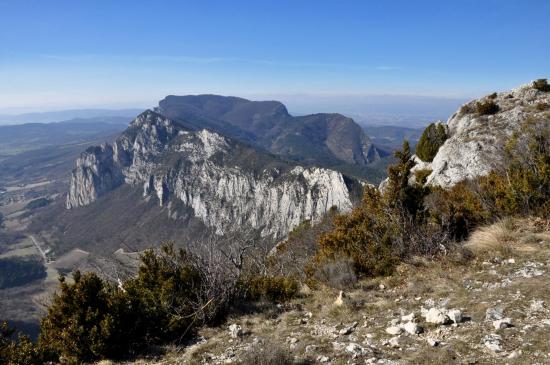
(228, 185)
(475, 143)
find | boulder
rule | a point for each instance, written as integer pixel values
(436, 316)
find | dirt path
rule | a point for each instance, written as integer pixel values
(42, 253)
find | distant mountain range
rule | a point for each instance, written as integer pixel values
(65, 115)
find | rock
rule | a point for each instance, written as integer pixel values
(412, 328)
(455, 315)
(394, 330)
(395, 342)
(355, 349)
(347, 330)
(408, 317)
(323, 358)
(381, 286)
(432, 342)
(292, 340)
(514, 354)
(510, 261)
(473, 147)
(492, 314)
(537, 305)
(310, 349)
(235, 331)
(493, 342)
(503, 323)
(436, 316)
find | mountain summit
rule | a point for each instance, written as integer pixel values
(320, 139)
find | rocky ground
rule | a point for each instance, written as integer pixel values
(490, 308)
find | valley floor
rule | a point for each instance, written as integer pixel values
(507, 279)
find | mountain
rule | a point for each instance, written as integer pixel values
(223, 183)
(477, 138)
(320, 139)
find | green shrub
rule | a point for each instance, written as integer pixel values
(88, 320)
(17, 351)
(431, 140)
(273, 288)
(541, 85)
(492, 96)
(421, 176)
(523, 187)
(487, 107)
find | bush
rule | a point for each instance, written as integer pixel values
(337, 274)
(492, 96)
(541, 85)
(420, 176)
(487, 107)
(523, 186)
(431, 140)
(88, 320)
(269, 354)
(17, 351)
(273, 288)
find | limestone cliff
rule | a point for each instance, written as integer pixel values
(228, 185)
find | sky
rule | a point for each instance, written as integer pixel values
(102, 53)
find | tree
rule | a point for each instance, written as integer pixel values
(431, 140)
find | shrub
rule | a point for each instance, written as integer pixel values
(487, 107)
(492, 96)
(17, 351)
(337, 274)
(523, 186)
(431, 140)
(273, 288)
(456, 211)
(541, 85)
(88, 320)
(542, 107)
(420, 176)
(268, 354)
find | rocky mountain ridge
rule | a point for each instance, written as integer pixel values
(229, 185)
(475, 143)
(321, 139)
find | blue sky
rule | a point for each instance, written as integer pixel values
(106, 53)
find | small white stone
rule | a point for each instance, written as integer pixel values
(412, 328)
(408, 317)
(436, 316)
(235, 330)
(394, 330)
(455, 315)
(503, 323)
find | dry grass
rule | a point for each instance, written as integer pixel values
(496, 238)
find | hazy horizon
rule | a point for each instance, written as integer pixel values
(55, 56)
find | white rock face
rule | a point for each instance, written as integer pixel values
(476, 143)
(206, 172)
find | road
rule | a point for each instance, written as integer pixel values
(39, 249)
